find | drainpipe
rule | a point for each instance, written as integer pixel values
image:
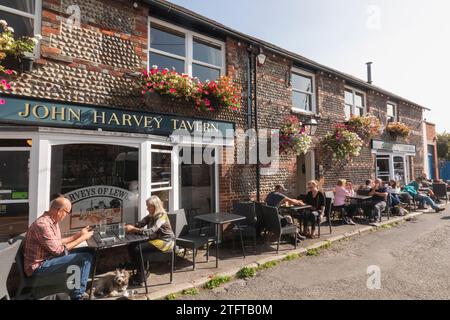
(258, 167)
(249, 90)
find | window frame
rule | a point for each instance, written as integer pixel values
(37, 17)
(395, 109)
(189, 36)
(354, 107)
(306, 74)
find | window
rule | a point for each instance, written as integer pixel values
(22, 15)
(197, 184)
(161, 184)
(355, 103)
(185, 51)
(391, 113)
(102, 182)
(303, 93)
(14, 176)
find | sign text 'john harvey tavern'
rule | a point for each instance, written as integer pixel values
(41, 113)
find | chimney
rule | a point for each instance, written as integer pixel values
(369, 72)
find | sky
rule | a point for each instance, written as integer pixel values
(407, 40)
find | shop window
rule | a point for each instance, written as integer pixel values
(14, 179)
(102, 182)
(197, 184)
(161, 184)
(22, 16)
(176, 48)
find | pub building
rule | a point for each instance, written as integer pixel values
(75, 124)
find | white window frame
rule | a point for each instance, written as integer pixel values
(36, 19)
(395, 116)
(311, 75)
(354, 92)
(391, 157)
(189, 42)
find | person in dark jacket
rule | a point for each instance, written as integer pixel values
(309, 218)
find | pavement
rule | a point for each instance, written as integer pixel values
(231, 261)
(410, 260)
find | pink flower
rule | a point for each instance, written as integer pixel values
(7, 71)
(173, 90)
(2, 101)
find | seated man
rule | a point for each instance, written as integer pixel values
(45, 252)
(276, 198)
(379, 196)
(427, 186)
(413, 190)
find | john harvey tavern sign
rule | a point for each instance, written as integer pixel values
(41, 113)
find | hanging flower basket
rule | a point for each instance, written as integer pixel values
(293, 138)
(341, 144)
(398, 129)
(15, 53)
(366, 127)
(205, 96)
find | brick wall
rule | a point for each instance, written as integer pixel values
(97, 64)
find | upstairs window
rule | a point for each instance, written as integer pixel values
(355, 103)
(21, 15)
(187, 52)
(391, 112)
(303, 91)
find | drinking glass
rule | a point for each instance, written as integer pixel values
(121, 230)
(102, 227)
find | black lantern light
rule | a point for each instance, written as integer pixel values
(310, 126)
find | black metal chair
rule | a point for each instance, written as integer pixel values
(37, 287)
(8, 252)
(327, 213)
(440, 191)
(163, 256)
(192, 239)
(249, 227)
(260, 223)
(273, 225)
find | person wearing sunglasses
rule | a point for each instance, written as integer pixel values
(45, 251)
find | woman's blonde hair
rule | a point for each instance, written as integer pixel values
(156, 203)
(314, 183)
(341, 182)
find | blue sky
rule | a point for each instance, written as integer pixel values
(408, 40)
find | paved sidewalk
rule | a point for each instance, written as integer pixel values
(231, 261)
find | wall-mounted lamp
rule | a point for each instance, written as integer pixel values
(261, 57)
(310, 126)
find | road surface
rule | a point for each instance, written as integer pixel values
(413, 260)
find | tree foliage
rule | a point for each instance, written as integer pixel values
(443, 146)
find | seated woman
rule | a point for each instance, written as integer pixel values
(316, 200)
(159, 230)
(341, 192)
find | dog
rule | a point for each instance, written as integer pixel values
(113, 284)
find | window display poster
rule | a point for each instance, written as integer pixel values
(93, 204)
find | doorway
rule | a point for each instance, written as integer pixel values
(305, 171)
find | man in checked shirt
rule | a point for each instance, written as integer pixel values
(45, 252)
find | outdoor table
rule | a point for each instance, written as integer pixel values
(219, 219)
(359, 199)
(98, 243)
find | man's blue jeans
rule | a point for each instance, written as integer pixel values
(426, 199)
(59, 265)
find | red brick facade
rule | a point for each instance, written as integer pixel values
(97, 64)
